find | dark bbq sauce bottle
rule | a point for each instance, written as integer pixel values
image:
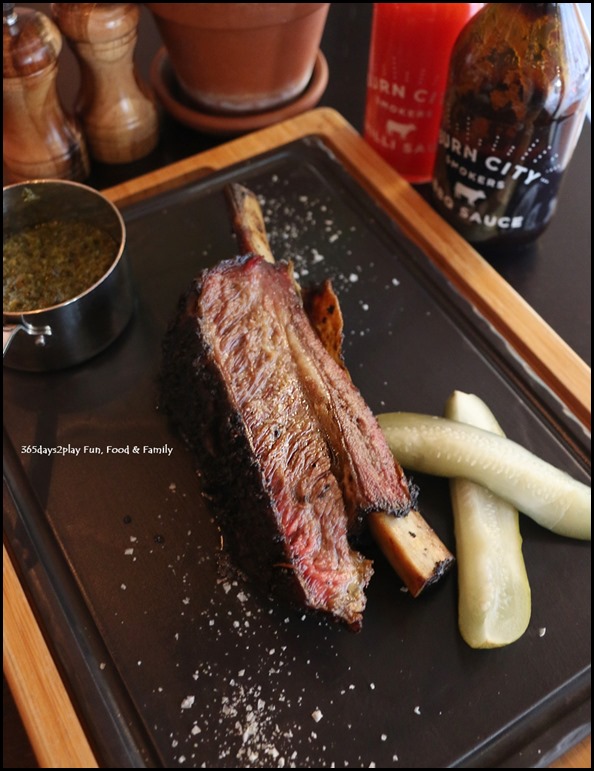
(515, 103)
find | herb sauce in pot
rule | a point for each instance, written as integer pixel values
(52, 262)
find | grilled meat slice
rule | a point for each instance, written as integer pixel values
(284, 439)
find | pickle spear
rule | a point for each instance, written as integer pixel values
(447, 448)
(494, 599)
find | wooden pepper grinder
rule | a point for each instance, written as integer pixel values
(39, 139)
(118, 114)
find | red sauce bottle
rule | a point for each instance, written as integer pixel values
(517, 93)
(411, 44)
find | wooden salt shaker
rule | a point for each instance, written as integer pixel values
(39, 138)
(118, 113)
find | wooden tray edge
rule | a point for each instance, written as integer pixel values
(48, 715)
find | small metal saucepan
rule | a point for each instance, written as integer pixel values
(73, 331)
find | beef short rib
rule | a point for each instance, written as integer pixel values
(288, 450)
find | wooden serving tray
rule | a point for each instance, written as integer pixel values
(42, 694)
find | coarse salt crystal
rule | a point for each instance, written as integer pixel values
(542, 631)
(317, 715)
(188, 702)
(417, 710)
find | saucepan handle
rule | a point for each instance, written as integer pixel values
(10, 330)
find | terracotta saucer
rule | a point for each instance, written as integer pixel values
(179, 106)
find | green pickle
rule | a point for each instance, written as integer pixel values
(516, 98)
(494, 597)
(447, 448)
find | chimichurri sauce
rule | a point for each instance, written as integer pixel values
(49, 263)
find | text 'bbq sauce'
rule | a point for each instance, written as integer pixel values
(515, 103)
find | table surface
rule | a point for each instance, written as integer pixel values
(553, 274)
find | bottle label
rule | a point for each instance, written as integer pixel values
(492, 179)
(401, 122)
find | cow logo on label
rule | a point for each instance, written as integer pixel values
(468, 193)
(402, 129)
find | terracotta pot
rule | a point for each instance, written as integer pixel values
(241, 57)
